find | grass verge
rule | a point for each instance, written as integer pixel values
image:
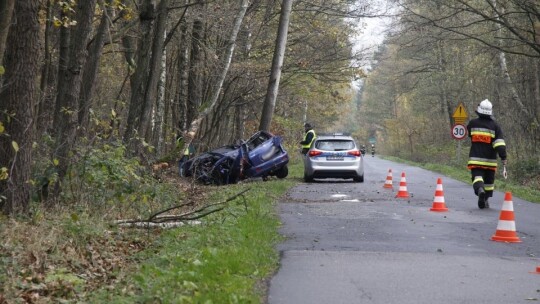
(225, 259)
(461, 174)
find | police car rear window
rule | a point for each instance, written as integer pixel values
(334, 145)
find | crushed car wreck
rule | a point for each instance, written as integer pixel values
(262, 155)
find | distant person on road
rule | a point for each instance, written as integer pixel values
(486, 142)
(309, 138)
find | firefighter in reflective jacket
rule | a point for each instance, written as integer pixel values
(486, 142)
(309, 138)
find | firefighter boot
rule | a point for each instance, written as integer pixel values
(482, 198)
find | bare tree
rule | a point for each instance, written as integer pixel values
(139, 79)
(521, 22)
(154, 70)
(159, 113)
(69, 95)
(49, 73)
(225, 64)
(194, 80)
(277, 62)
(92, 64)
(17, 104)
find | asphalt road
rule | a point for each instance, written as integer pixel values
(356, 243)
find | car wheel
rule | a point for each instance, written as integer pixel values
(282, 172)
(359, 179)
(308, 178)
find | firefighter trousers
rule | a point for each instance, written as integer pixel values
(483, 178)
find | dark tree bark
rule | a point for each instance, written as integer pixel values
(69, 96)
(225, 64)
(155, 70)
(277, 62)
(63, 61)
(48, 75)
(139, 79)
(17, 101)
(6, 10)
(181, 95)
(92, 65)
(194, 91)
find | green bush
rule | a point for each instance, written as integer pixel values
(105, 178)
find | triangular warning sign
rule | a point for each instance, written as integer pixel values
(460, 112)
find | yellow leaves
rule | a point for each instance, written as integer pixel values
(67, 6)
(67, 9)
(56, 22)
(127, 14)
(15, 146)
(65, 22)
(4, 173)
(56, 162)
(2, 70)
(2, 128)
(67, 111)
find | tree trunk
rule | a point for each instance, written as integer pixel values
(277, 63)
(226, 62)
(48, 80)
(160, 105)
(155, 70)
(181, 95)
(536, 132)
(240, 119)
(446, 106)
(17, 100)
(240, 113)
(139, 79)
(92, 64)
(507, 78)
(69, 97)
(6, 10)
(194, 90)
(63, 61)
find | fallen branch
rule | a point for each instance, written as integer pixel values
(147, 225)
(175, 220)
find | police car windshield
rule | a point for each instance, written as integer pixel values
(334, 145)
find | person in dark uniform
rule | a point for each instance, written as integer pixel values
(487, 141)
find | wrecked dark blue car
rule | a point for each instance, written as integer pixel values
(262, 155)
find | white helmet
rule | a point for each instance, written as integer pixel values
(485, 107)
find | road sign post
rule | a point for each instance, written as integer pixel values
(460, 114)
(459, 131)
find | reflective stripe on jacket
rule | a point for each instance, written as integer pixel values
(308, 145)
(486, 142)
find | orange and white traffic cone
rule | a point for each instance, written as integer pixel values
(403, 187)
(506, 228)
(388, 182)
(438, 200)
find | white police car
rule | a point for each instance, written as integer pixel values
(334, 155)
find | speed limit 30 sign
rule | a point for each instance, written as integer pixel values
(459, 131)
